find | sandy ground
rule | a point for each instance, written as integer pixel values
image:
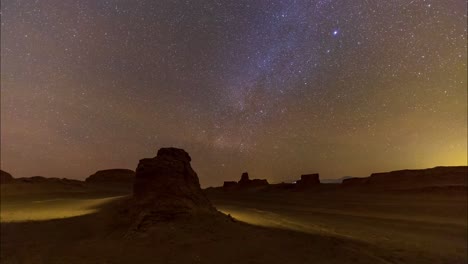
(421, 228)
(46, 209)
(270, 228)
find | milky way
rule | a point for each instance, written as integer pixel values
(276, 88)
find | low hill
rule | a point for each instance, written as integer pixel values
(112, 180)
(413, 179)
(41, 185)
(5, 177)
(114, 176)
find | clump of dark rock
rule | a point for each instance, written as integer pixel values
(245, 183)
(308, 180)
(167, 188)
(5, 177)
(244, 178)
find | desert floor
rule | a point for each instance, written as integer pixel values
(271, 227)
(413, 228)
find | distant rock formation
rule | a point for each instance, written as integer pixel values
(38, 179)
(244, 178)
(112, 176)
(166, 187)
(46, 180)
(5, 177)
(308, 180)
(245, 183)
(40, 185)
(410, 179)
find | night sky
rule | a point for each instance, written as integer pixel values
(275, 88)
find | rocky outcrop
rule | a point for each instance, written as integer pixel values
(112, 176)
(244, 179)
(308, 180)
(41, 185)
(410, 179)
(257, 183)
(46, 180)
(38, 179)
(166, 187)
(245, 183)
(5, 177)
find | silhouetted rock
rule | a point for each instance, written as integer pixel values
(112, 176)
(258, 183)
(46, 180)
(244, 178)
(246, 182)
(42, 185)
(308, 180)
(167, 187)
(37, 179)
(5, 177)
(409, 179)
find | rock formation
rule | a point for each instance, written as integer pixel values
(244, 180)
(38, 179)
(49, 181)
(112, 176)
(5, 177)
(166, 187)
(245, 183)
(308, 180)
(408, 179)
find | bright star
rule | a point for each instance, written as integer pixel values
(335, 32)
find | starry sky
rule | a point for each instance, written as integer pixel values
(277, 88)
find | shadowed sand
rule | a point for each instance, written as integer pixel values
(413, 228)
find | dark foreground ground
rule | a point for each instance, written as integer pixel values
(411, 228)
(271, 227)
